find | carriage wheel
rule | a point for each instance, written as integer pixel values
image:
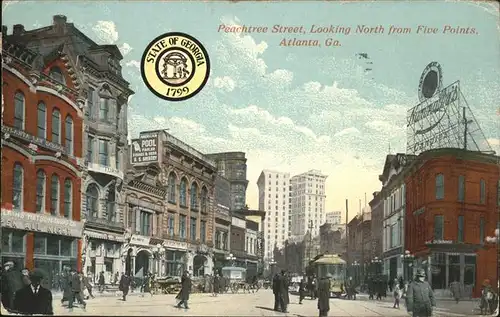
(234, 288)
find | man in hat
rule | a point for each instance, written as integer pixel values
(34, 298)
(76, 290)
(284, 297)
(324, 295)
(11, 283)
(419, 297)
(276, 292)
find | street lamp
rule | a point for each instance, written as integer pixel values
(231, 258)
(158, 252)
(407, 258)
(376, 263)
(496, 240)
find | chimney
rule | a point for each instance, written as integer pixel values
(59, 22)
(4, 30)
(18, 29)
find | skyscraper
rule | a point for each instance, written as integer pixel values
(274, 198)
(307, 202)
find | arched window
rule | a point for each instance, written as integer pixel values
(54, 195)
(57, 75)
(194, 196)
(439, 186)
(68, 195)
(56, 126)
(92, 199)
(41, 120)
(68, 142)
(204, 199)
(19, 111)
(171, 188)
(17, 187)
(41, 179)
(182, 193)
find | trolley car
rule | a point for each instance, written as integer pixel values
(334, 265)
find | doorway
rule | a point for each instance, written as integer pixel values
(141, 263)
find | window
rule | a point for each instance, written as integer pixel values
(193, 229)
(104, 110)
(218, 240)
(13, 241)
(460, 234)
(111, 204)
(481, 230)
(56, 126)
(57, 75)
(90, 147)
(439, 186)
(17, 188)
(92, 200)
(19, 111)
(204, 198)
(103, 153)
(171, 188)
(461, 188)
(131, 218)
(118, 160)
(68, 142)
(145, 223)
(182, 193)
(40, 191)
(41, 121)
(90, 102)
(68, 193)
(182, 226)
(438, 227)
(194, 196)
(54, 195)
(203, 231)
(482, 194)
(170, 224)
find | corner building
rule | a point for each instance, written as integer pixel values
(453, 199)
(42, 132)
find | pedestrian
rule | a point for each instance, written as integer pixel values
(76, 291)
(371, 288)
(419, 297)
(87, 284)
(124, 285)
(379, 285)
(315, 287)
(183, 295)
(11, 283)
(216, 284)
(66, 285)
(34, 299)
(396, 293)
(283, 291)
(455, 290)
(324, 295)
(487, 298)
(101, 282)
(146, 285)
(302, 290)
(276, 292)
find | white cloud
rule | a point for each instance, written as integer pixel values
(225, 83)
(133, 63)
(494, 142)
(106, 32)
(125, 48)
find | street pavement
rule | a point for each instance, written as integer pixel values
(253, 304)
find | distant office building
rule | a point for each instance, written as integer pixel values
(307, 203)
(334, 217)
(274, 192)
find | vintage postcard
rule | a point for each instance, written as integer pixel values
(250, 158)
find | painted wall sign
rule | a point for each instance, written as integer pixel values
(144, 150)
(171, 244)
(33, 139)
(140, 240)
(41, 223)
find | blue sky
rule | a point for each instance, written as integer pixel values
(290, 108)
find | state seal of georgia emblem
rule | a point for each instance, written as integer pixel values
(175, 66)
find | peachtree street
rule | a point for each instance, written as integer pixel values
(248, 304)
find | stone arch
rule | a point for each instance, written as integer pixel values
(142, 261)
(175, 173)
(200, 262)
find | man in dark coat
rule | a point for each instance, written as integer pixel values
(34, 298)
(276, 292)
(283, 291)
(419, 297)
(216, 283)
(124, 285)
(183, 295)
(66, 285)
(324, 295)
(11, 283)
(76, 287)
(302, 290)
(101, 282)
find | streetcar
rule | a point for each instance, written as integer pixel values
(334, 265)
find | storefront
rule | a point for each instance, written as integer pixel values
(175, 257)
(41, 241)
(200, 260)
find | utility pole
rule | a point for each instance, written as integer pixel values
(310, 239)
(346, 232)
(362, 242)
(466, 127)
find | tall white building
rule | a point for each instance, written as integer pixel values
(334, 217)
(274, 199)
(307, 202)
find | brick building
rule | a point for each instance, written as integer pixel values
(452, 200)
(42, 129)
(377, 207)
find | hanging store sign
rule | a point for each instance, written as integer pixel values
(171, 244)
(144, 150)
(41, 223)
(140, 240)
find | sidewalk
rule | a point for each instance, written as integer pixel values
(58, 295)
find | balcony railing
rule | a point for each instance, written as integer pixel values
(183, 146)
